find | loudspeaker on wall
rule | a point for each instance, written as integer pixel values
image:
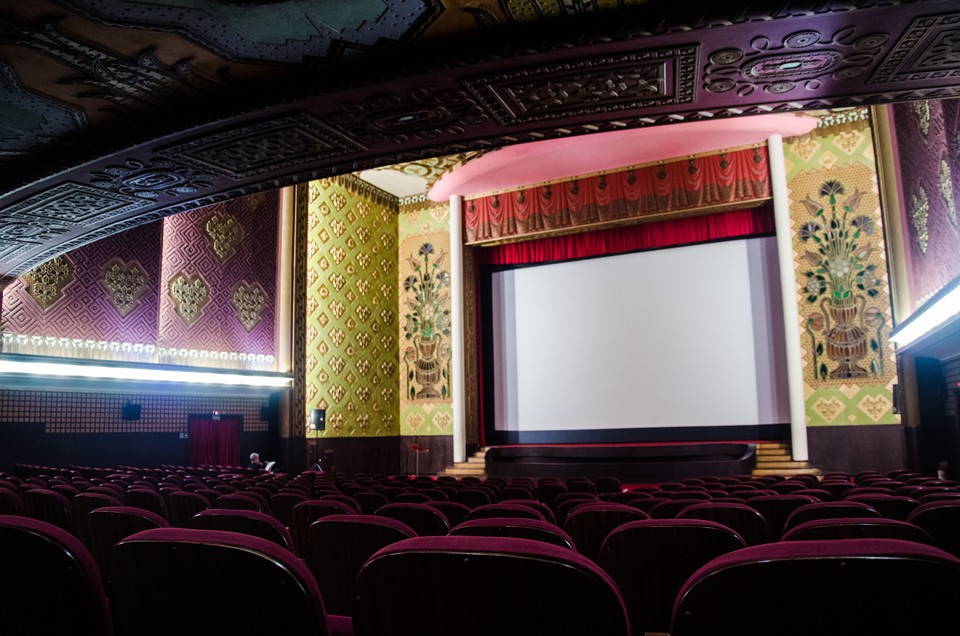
(318, 420)
(131, 411)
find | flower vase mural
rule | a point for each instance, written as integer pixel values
(846, 332)
(427, 325)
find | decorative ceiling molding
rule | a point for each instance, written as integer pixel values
(180, 123)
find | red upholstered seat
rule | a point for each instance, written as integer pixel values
(181, 580)
(474, 586)
(251, 522)
(517, 527)
(650, 560)
(339, 545)
(49, 582)
(852, 581)
(425, 520)
(858, 528)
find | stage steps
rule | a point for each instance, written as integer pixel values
(475, 466)
(775, 458)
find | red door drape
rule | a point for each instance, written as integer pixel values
(214, 442)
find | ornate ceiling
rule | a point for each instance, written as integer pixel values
(115, 113)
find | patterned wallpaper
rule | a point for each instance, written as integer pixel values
(928, 155)
(218, 282)
(76, 412)
(424, 245)
(842, 284)
(98, 301)
(352, 321)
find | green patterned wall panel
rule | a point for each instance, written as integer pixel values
(843, 289)
(352, 321)
(424, 247)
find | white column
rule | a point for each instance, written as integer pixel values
(788, 286)
(456, 330)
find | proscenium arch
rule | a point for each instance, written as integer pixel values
(658, 64)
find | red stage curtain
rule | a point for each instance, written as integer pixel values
(214, 442)
(700, 229)
(639, 193)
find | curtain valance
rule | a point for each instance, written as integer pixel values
(648, 192)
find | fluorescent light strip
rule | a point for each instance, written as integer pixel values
(940, 312)
(139, 374)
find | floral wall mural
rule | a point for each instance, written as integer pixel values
(352, 320)
(843, 287)
(424, 329)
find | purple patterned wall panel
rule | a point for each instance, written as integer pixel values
(215, 258)
(928, 153)
(108, 293)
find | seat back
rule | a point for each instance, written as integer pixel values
(852, 579)
(829, 510)
(42, 564)
(858, 528)
(83, 504)
(588, 525)
(109, 524)
(182, 505)
(941, 519)
(477, 586)
(517, 527)
(251, 522)
(744, 520)
(889, 505)
(650, 561)
(305, 513)
(425, 520)
(339, 545)
(147, 499)
(181, 580)
(283, 502)
(455, 512)
(505, 509)
(50, 506)
(776, 508)
(10, 502)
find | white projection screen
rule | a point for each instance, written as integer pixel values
(689, 336)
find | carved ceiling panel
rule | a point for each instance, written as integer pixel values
(120, 112)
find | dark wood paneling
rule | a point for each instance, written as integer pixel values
(856, 448)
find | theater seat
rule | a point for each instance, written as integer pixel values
(185, 581)
(480, 586)
(49, 582)
(650, 560)
(825, 587)
(339, 545)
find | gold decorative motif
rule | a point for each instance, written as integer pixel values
(875, 407)
(921, 109)
(946, 190)
(189, 294)
(125, 282)
(45, 283)
(224, 234)
(919, 211)
(828, 409)
(249, 301)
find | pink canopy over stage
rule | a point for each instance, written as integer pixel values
(550, 160)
